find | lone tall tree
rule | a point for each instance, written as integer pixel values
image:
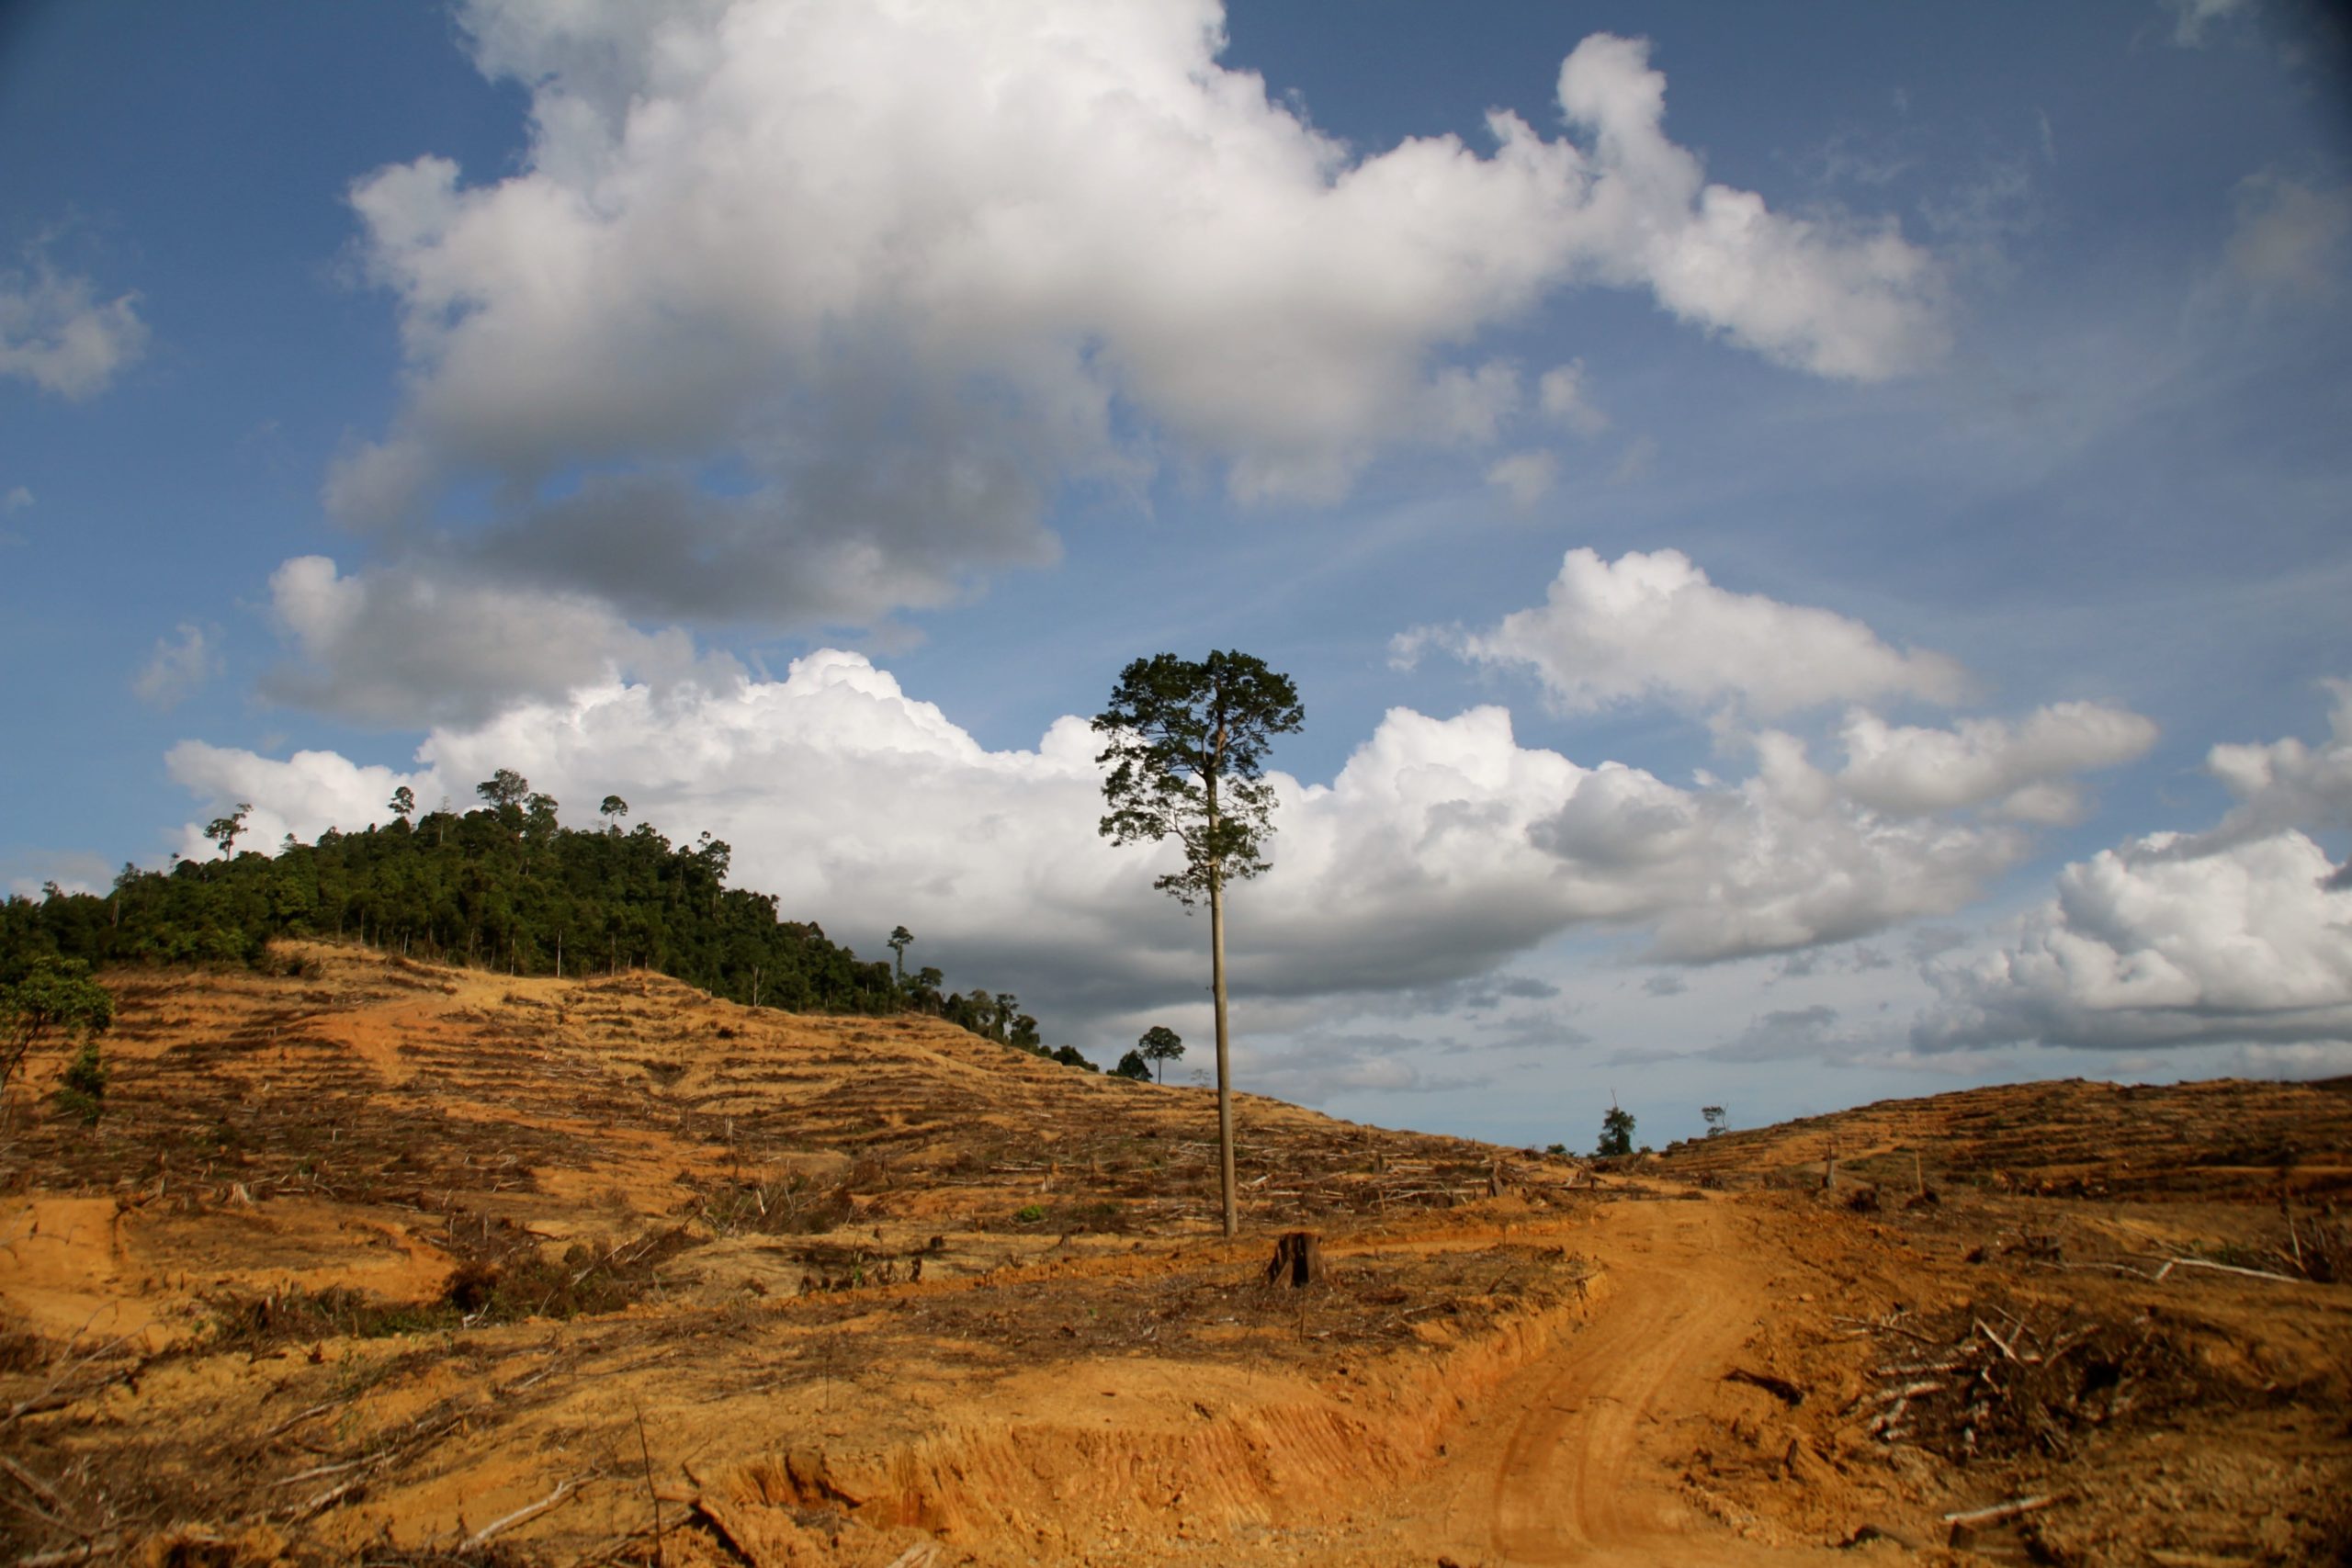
(1187, 744)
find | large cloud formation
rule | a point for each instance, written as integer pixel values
(1442, 848)
(799, 311)
(2239, 934)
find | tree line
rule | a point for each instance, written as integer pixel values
(505, 887)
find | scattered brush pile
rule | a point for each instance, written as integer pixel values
(1996, 1380)
(503, 1276)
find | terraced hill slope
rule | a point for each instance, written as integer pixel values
(372, 1262)
(2167, 1142)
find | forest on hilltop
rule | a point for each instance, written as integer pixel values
(505, 887)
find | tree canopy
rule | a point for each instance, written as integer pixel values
(505, 887)
(52, 999)
(1616, 1133)
(1161, 1044)
(1186, 742)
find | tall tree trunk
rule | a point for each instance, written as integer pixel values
(1224, 1076)
(1213, 774)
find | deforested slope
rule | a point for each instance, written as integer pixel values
(369, 1259)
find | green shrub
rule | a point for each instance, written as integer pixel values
(84, 1092)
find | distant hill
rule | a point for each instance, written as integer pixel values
(505, 889)
(2226, 1137)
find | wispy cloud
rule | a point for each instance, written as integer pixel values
(180, 666)
(59, 333)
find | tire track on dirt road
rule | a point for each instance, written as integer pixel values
(1580, 1461)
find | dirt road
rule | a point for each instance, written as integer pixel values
(1579, 1461)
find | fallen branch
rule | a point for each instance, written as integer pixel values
(328, 1499)
(2124, 1269)
(2171, 1263)
(1875, 1325)
(82, 1553)
(529, 1510)
(1909, 1391)
(2011, 1509)
(33, 1483)
(1913, 1369)
(317, 1471)
(293, 1421)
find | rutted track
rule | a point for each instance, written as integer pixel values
(1576, 1461)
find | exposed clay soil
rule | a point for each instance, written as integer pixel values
(375, 1261)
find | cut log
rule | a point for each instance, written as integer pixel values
(1297, 1262)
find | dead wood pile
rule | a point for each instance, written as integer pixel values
(1997, 1381)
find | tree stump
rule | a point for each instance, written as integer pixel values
(1297, 1262)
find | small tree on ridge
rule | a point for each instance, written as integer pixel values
(1616, 1133)
(1161, 1044)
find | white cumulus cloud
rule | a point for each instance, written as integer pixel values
(2142, 949)
(1440, 849)
(1650, 627)
(2285, 783)
(2241, 934)
(2025, 768)
(899, 273)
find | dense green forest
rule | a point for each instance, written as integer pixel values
(504, 887)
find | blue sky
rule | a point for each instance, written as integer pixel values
(1771, 511)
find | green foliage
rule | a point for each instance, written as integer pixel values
(503, 788)
(1715, 1115)
(1160, 1044)
(1071, 1057)
(1187, 743)
(84, 1092)
(224, 831)
(296, 1314)
(1616, 1133)
(1133, 1065)
(505, 886)
(47, 997)
(1028, 1215)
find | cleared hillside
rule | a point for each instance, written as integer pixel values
(2167, 1142)
(371, 1261)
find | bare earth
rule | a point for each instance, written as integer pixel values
(375, 1262)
